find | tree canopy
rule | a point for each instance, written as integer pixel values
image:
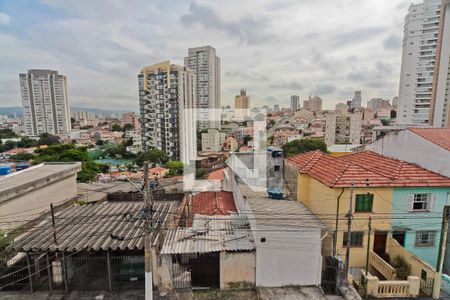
(175, 167)
(153, 156)
(303, 145)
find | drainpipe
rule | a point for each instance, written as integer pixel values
(337, 223)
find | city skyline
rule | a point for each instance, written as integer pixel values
(364, 53)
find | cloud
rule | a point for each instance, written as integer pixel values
(393, 41)
(292, 85)
(247, 29)
(323, 89)
(4, 19)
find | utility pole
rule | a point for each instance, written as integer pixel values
(147, 237)
(349, 232)
(368, 245)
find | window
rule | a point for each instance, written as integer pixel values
(425, 238)
(356, 239)
(364, 202)
(421, 202)
(276, 168)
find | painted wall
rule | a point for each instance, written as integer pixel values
(421, 221)
(237, 269)
(322, 200)
(287, 257)
(410, 147)
(38, 201)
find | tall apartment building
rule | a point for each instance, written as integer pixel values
(276, 108)
(45, 104)
(166, 100)
(343, 128)
(295, 103)
(213, 140)
(130, 118)
(357, 100)
(440, 96)
(242, 101)
(420, 39)
(206, 67)
(313, 104)
(341, 107)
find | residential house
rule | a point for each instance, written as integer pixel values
(427, 147)
(393, 192)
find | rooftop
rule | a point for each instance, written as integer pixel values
(438, 136)
(210, 234)
(24, 181)
(91, 227)
(213, 203)
(365, 167)
(286, 213)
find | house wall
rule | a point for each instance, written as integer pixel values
(287, 257)
(237, 269)
(414, 221)
(290, 174)
(408, 146)
(28, 205)
(322, 201)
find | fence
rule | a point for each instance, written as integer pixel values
(81, 271)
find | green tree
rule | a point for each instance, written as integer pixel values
(23, 156)
(247, 139)
(127, 127)
(69, 153)
(116, 127)
(303, 145)
(48, 139)
(175, 167)
(385, 122)
(26, 142)
(99, 143)
(153, 156)
(201, 174)
(7, 134)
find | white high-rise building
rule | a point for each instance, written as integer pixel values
(166, 102)
(206, 67)
(295, 103)
(357, 100)
(418, 58)
(45, 104)
(440, 98)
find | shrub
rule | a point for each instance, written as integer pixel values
(402, 268)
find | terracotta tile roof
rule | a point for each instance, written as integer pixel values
(365, 167)
(213, 203)
(217, 175)
(438, 136)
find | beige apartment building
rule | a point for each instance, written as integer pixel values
(343, 128)
(242, 101)
(212, 141)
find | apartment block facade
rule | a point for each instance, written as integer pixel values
(45, 104)
(166, 101)
(343, 128)
(295, 103)
(242, 101)
(206, 67)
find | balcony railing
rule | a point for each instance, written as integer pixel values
(382, 266)
(391, 288)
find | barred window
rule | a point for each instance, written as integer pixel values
(356, 239)
(425, 238)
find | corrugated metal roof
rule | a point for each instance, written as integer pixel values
(210, 234)
(90, 227)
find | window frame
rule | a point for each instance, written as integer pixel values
(431, 239)
(361, 207)
(425, 202)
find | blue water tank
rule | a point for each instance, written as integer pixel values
(4, 170)
(22, 166)
(275, 193)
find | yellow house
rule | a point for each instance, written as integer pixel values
(323, 183)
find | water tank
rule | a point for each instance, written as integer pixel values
(22, 166)
(4, 170)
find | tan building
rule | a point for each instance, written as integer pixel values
(242, 101)
(343, 128)
(130, 118)
(313, 104)
(212, 140)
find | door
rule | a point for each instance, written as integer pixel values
(379, 243)
(205, 270)
(399, 236)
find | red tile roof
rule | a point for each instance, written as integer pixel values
(438, 136)
(217, 175)
(365, 167)
(213, 203)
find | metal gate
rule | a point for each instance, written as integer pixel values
(333, 275)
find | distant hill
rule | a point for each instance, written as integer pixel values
(10, 110)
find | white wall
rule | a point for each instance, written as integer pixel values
(414, 149)
(287, 258)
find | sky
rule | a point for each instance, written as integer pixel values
(273, 48)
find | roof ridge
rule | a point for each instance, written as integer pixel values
(348, 163)
(369, 169)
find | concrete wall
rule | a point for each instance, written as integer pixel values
(287, 257)
(421, 220)
(322, 201)
(410, 147)
(30, 205)
(237, 269)
(290, 173)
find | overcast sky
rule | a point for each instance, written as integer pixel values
(274, 48)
